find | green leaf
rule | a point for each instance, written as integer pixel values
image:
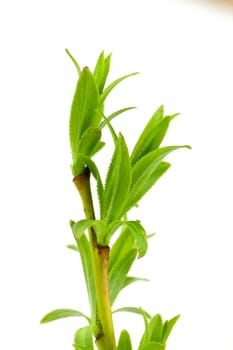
(83, 339)
(144, 172)
(74, 61)
(155, 175)
(146, 335)
(135, 310)
(84, 108)
(154, 346)
(168, 326)
(101, 71)
(124, 342)
(156, 328)
(111, 229)
(81, 226)
(117, 183)
(111, 129)
(114, 115)
(85, 255)
(97, 148)
(89, 140)
(140, 236)
(107, 91)
(72, 247)
(118, 273)
(62, 313)
(129, 280)
(152, 135)
(124, 243)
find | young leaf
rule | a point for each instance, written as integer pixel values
(124, 342)
(168, 326)
(111, 129)
(156, 328)
(107, 91)
(62, 313)
(101, 71)
(83, 339)
(97, 148)
(89, 140)
(140, 236)
(135, 310)
(124, 243)
(143, 170)
(81, 226)
(146, 335)
(118, 273)
(85, 254)
(152, 135)
(117, 183)
(73, 247)
(154, 346)
(114, 115)
(84, 108)
(155, 175)
(129, 280)
(74, 61)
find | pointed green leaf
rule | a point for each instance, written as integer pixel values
(118, 273)
(62, 313)
(101, 71)
(110, 230)
(117, 183)
(85, 255)
(150, 139)
(154, 346)
(89, 140)
(146, 335)
(97, 148)
(84, 108)
(83, 339)
(135, 310)
(156, 329)
(152, 135)
(114, 115)
(130, 280)
(107, 91)
(124, 243)
(74, 61)
(124, 342)
(155, 175)
(140, 236)
(144, 172)
(111, 129)
(81, 226)
(168, 326)
(72, 247)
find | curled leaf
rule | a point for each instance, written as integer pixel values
(62, 313)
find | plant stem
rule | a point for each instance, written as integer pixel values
(105, 339)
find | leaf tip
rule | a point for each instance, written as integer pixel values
(187, 146)
(72, 223)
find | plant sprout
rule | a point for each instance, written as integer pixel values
(108, 245)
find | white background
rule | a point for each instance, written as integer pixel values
(184, 52)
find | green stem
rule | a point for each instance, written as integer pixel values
(105, 339)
